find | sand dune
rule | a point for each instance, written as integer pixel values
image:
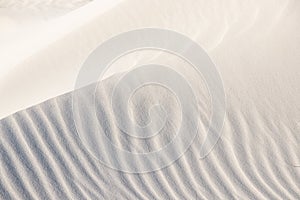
(42, 156)
(45, 155)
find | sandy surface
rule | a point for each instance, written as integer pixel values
(42, 155)
(255, 47)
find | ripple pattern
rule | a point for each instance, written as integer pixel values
(42, 157)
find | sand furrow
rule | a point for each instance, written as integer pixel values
(42, 156)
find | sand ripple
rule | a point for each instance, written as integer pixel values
(42, 157)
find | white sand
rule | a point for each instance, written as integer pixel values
(255, 46)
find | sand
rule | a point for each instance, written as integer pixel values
(255, 47)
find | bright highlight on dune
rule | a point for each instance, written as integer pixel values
(150, 99)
